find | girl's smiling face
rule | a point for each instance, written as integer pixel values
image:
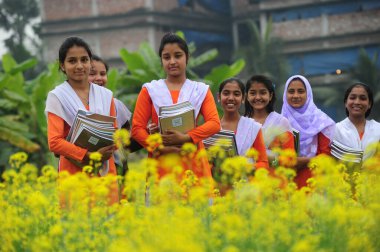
(77, 64)
(259, 96)
(231, 97)
(358, 103)
(296, 94)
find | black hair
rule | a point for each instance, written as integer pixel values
(172, 38)
(369, 92)
(97, 58)
(230, 80)
(268, 84)
(69, 43)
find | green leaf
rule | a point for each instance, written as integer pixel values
(203, 58)
(151, 58)
(8, 63)
(222, 72)
(18, 140)
(10, 123)
(14, 96)
(134, 61)
(7, 104)
(24, 66)
(4, 80)
(112, 77)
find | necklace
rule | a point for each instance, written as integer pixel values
(83, 98)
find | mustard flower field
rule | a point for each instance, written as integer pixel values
(338, 211)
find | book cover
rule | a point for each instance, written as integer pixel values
(92, 131)
(225, 139)
(180, 117)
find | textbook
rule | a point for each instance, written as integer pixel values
(92, 131)
(346, 153)
(180, 116)
(296, 135)
(224, 138)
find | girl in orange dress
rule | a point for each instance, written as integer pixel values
(259, 105)
(66, 99)
(248, 132)
(173, 89)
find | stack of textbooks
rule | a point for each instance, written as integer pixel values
(92, 131)
(346, 153)
(180, 117)
(225, 139)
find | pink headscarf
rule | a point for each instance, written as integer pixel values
(308, 120)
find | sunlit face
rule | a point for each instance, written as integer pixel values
(296, 94)
(76, 64)
(259, 96)
(98, 73)
(231, 97)
(357, 102)
(173, 60)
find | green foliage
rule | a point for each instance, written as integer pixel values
(22, 103)
(12, 98)
(264, 55)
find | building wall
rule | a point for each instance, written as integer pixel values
(109, 25)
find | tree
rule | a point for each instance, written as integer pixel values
(367, 71)
(15, 16)
(264, 55)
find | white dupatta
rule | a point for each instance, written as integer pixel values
(274, 125)
(347, 134)
(192, 91)
(246, 134)
(122, 113)
(65, 103)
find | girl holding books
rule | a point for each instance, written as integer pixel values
(356, 131)
(259, 105)
(316, 129)
(248, 132)
(175, 88)
(64, 101)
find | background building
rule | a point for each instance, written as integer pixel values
(320, 36)
(109, 25)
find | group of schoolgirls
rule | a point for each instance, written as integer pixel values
(261, 127)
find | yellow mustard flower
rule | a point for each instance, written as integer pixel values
(121, 138)
(154, 142)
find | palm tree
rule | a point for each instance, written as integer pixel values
(264, 55)
(367, 71)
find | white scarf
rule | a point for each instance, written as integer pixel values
(69, 102)
(274, 125)
(246, 134)
(347, 134)
(65, 103)
(122, 113)
(192, 91)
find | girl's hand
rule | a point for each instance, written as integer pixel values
(174, 137)
(153, 128)
(107, 152)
